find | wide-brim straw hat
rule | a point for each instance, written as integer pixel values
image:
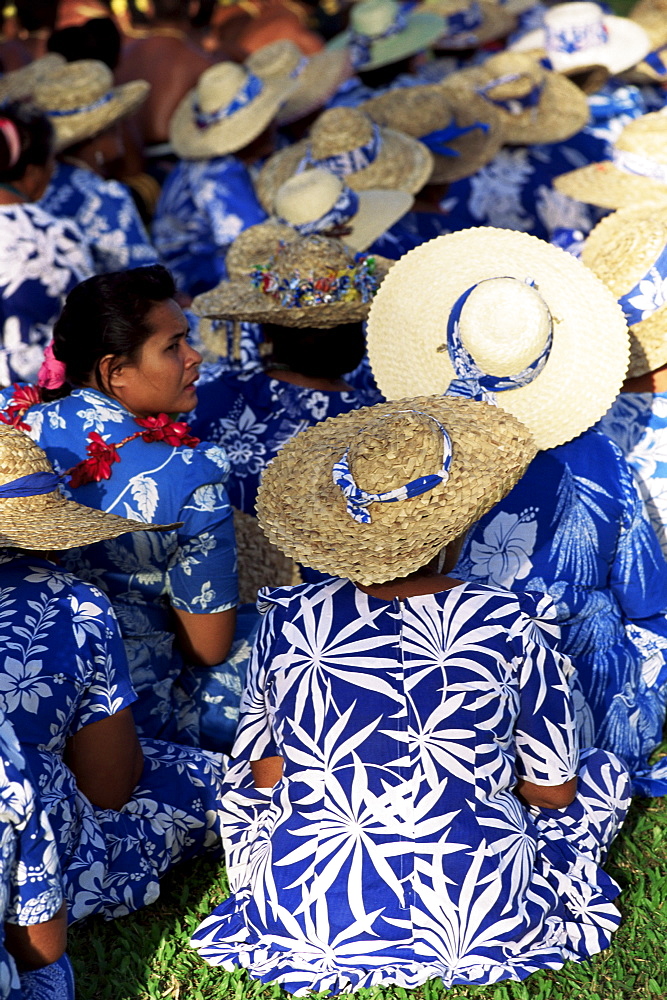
(303, 512)
(653, 19)
(496, 22)
(418, 111)
(407, 328)
(19, 84)
(403, 163)
(420, 32)
(315, 78)
(81, 101)
(621, 251)
(608, 185)
(559, 113)
(49, 522)
(216, 89)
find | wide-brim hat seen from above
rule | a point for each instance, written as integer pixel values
(652, 68)
(48, 521)
(471, 23)
(346, 142)
(19, 84)
(381, 33)
(624, 251)
(305, 514)
(537, 106)
(429, 112)
(316, 78)
(227, 109)
(81, 101)
(637, 171)
(544, 315)
(577, 35)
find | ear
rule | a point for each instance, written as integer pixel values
(112, 373)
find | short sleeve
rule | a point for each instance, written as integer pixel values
(545, 730)
(254, 735)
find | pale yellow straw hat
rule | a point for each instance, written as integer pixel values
(504, 325)
(470, 23)
(304, 512)
(81, 101)
(19, 84)
(315, 78)
(637, 172)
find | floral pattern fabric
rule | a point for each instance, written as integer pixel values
(63, 667)
(203, 207)
(41, 260)
(393, 850)
(575, 528)
(105, 212)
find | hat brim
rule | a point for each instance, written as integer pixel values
(378, 211)
(497, 22)
(19, 83)
(603, 184)
(318, 81)
(589, 357)
(69, 130)
(420, 33)
(627, 45)
(303, 512)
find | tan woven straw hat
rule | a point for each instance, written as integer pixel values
(227, 109)
(304, 512)
(315, 78)
(19, 84)
(48, 521)
(419, 111)
(504, 325)
(386, 34)
(346, 142)
(536, 105)
(622, 251)
(81, 101)
(637, 172)
(471, 23)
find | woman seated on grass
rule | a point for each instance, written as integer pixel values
(420, 806)
(124, 364)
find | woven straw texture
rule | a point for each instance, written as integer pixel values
(417, 111)
(260, 564)
(304, 512)
(402, 163)
(421, 32)
(497, 22)
(319, 79)
(20, 83)
(49, 522)
(605, 185)
(407, 328)
(562, 110)
(620, 251)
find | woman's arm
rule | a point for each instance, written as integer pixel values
(37, 945)
(267, 772)
(546, 796)
(205, 640)
(106, 759)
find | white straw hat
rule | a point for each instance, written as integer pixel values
(471, 23)
(315, 78)
(227, 109)
(19, 84)
(561, 340)
(381, 33)
(577, 35)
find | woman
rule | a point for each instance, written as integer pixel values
(124, 364)
(123, 810)
(419, 807)
(41, 258)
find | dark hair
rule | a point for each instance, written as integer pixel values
(316, 352)
(98, 39)
(106, 314)
(169, 10)
(35, 14)
(35, 134)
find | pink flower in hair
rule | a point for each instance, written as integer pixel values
(52, 374)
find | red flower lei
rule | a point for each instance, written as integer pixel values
(102, 455)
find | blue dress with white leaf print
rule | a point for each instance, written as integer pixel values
(393, 850)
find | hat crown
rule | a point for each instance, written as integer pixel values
(307, 196)
(576, 15)
(279, 58)
(338, 131)
(372, 17)
(311, 257)
(525, 74)
(505, 325)
(219, 85)
(395, 449)
(73, 85)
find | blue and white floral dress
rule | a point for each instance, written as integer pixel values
(575, 528)
(105, 212)
(41, 260)
(63, 667)
(145, 575)
(393, 850)
(203, 207)
(252, 416)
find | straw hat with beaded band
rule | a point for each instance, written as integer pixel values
(398, 160)
(420, 111)
(81, 101)
(622, 251)
(637, 172)
(504, 326)
(48, 521)
(536, 105)
(470, 23)
(20, 83)
(304, 512)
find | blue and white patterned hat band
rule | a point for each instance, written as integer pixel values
(657, 60)
(648, 295)
(513, 105)
(464, 21)
(84, 108)
(360, 45)
(438, 141)
(574, 38)
(340, 213)
(471, 381)
(251, 89)
(639, 165)
(358, 500)
(350, 161)
(33, 485)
